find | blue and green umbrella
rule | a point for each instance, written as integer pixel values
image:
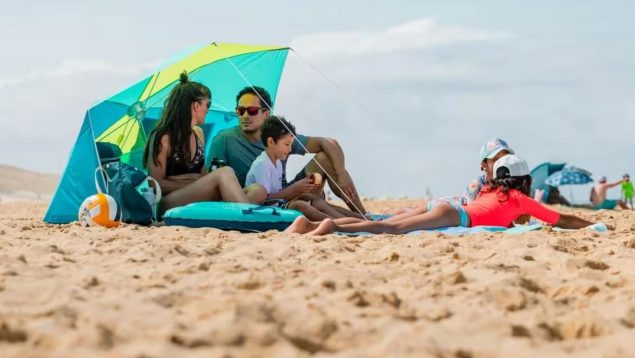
(125, 119)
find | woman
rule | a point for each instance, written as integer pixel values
(175, 156)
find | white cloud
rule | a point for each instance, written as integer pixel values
(75, 66)
(416, 34)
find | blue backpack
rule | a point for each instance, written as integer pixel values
(128, 185)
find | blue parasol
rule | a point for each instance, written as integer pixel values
(569, 175)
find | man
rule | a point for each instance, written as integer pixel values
(598, 195)
(239, 146)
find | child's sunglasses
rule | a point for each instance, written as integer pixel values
(252, 111)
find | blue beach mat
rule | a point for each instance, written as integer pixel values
(457, 230)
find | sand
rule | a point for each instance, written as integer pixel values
(68, 291)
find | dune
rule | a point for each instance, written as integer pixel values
(21, 184)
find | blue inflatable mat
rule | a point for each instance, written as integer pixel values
(231, 216)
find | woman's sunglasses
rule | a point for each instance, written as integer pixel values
(209, 102)
(252, 111)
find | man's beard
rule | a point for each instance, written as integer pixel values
(249, 131)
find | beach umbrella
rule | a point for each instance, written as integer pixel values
(121, 123)
(569, 175)
(542, 172)
(127, 118)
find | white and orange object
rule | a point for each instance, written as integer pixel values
(99, 209)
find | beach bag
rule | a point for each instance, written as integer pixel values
(129, 186)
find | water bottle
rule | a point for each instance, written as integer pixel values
(216, 163)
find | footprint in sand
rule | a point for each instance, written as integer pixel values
(585, 325)
(629, 318)
(576, 264)
(12, 335)
(508, 299)
(570, 246)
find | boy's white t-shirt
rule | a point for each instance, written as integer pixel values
(264, 172)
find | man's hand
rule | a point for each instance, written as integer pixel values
(345, 182)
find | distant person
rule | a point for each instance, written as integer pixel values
(267, 170)
(627, 190)
(555, 197)
(502, 200)
(598, 195)
(239, 146)
(175, 156)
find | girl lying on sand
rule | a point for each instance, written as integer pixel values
(498, 204)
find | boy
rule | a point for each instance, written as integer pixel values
(277, 135)
(627, 190)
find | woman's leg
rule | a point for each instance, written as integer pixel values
(442, 215)
(219, 185)
(410, 213)
(256, 193)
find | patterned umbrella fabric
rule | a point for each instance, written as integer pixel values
(570, 175)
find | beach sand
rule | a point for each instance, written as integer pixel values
(69, 291)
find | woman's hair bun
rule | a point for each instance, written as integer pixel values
(183, 77)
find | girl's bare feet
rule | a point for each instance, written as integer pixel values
(301, 225)
(327, 226)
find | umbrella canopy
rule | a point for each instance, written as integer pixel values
(542, 172)
(570, 175)
(126, 118)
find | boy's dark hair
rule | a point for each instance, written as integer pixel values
(521, 183)
(274, 127)
(259, 92)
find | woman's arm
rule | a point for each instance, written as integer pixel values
(550, 216)
(567, 221)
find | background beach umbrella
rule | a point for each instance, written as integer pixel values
(122, 122)
(569, 175)
(540, 173)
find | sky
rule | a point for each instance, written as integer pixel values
(410, 89)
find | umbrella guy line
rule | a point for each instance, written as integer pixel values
(350, 97)
(295, 138)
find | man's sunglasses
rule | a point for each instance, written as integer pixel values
(252, 111)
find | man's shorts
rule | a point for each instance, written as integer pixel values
(607, 204)
(455, 203)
